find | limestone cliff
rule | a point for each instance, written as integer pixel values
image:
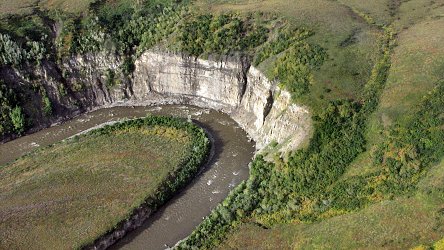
(228, 84)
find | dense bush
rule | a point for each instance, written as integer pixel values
(13, 53)
(46, 104)
(127, 66)
(12, 119)
(110, 80)
(24, 39)
(219, 34)
(286, 36)
(121, 27)
(295, 66)
(17, 119)
(412, 147)
(160, 27)
(126, 28)
(6, 98)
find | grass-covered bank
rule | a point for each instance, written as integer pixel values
(68, 194)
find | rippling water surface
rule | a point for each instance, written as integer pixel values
(177, 219)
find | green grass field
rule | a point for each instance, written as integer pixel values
(26, 7)
(68, 194)
(417, 64)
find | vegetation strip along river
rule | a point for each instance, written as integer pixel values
(177, 219)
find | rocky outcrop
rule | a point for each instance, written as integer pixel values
(230, 85)
(227, 84)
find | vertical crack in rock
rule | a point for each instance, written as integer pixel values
(124, 90)
(55, 71)
(243, 78)
(268, 105)
(102, 89)
(148, 83)
(129, 92)
(193, 80)
(89, 92)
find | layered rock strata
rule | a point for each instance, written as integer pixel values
(227, 84)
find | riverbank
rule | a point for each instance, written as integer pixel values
(66, 186)
(228, 167)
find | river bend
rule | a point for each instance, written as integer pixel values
(176, 219)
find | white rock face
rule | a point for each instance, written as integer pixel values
(228, 84)
(231, 86)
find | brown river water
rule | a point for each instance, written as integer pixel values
(176, 219)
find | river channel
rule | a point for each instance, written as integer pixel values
(176, 219)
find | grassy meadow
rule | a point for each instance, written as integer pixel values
(27, 7)
(70, 193)
(417, 65)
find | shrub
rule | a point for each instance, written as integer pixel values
(128, 66)
(6, 99)
(46, 105)
(286, 36)
(17, 119)
(122, 28)
(294, 67)
(111, 80)
(12, 53)
(219, 34)
(412, 147)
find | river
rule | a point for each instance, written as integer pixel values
(176, 219)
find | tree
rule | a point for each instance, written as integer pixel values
(6, 100)
(18, 119)
(47, 107)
